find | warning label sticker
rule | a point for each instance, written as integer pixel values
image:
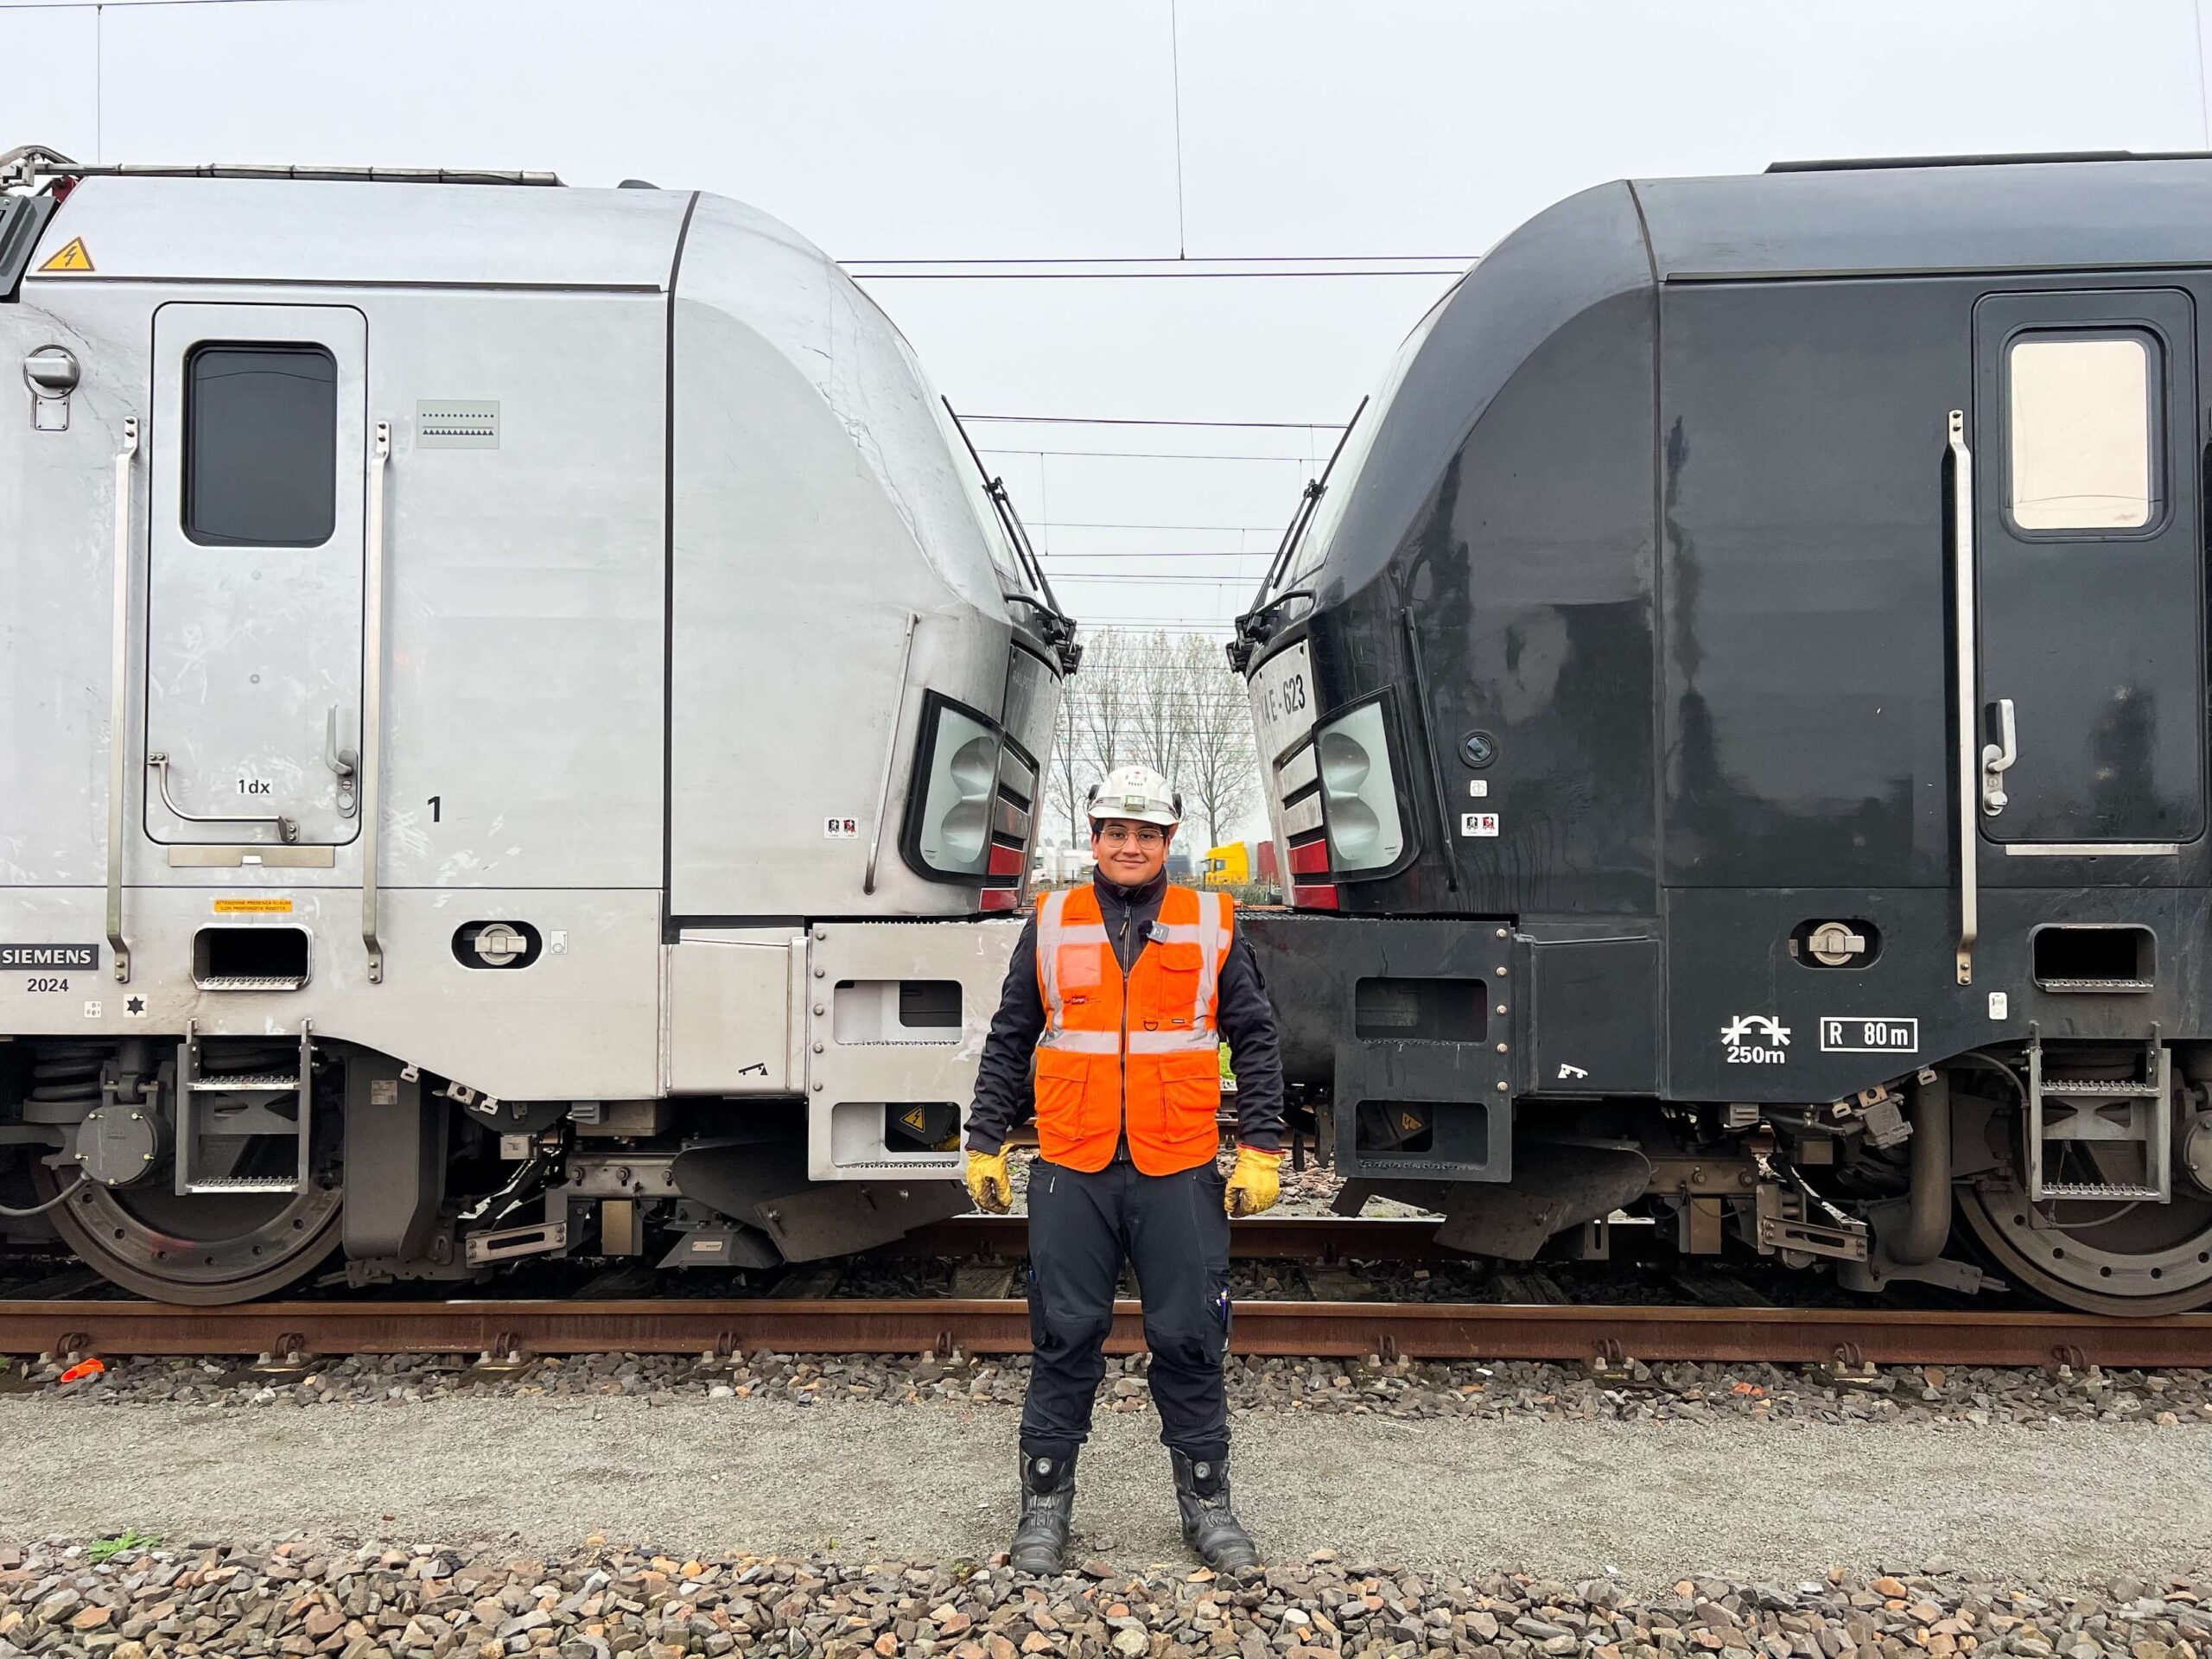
(253, 906)
(72, 257)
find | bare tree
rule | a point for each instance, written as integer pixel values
(1066, 778)
(1160, 699)
(1159, 719)
(1106, 699)
(1220, 764)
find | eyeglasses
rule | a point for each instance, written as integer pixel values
(1119, 834)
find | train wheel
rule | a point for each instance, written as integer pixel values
(2131, 1259)
(204, 1249)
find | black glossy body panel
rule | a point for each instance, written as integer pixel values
(1523, 561)
(1662, 505)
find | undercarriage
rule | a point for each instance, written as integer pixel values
(215, 1170)
(2080, 1173)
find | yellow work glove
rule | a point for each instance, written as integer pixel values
(1254, 1184)
(988, 1183)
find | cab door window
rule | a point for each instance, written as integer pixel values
(260, 445)
(2083, 437)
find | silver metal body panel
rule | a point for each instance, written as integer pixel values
(531, 772)
(852, 1082)
(583, 1022)
(730, 992)
(789, 379)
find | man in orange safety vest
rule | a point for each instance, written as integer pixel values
(1123, 992)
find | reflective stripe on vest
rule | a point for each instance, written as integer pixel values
(1132, 1051)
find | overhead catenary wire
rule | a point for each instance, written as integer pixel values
(1127, 420)
(1110, 524)
(1108, 275)
(1150, 455)
(1148, 578)
(1460, 259)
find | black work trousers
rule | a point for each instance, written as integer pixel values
(1174, 1231)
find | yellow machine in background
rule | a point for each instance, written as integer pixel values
(1227, 867)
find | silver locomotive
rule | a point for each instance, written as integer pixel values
(516, 709)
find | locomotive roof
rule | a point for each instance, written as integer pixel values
(1610, 243)
(277, 230)
(1865, 219)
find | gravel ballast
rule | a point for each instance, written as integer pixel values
(596, 1602)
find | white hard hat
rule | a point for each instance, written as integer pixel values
(1137, 792)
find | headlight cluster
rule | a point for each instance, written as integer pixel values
(956, 826)
(969, 814)
(1359, 796)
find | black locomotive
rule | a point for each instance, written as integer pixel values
(1736, 719)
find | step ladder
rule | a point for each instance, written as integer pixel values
(2065, 1107)
(203, 1108)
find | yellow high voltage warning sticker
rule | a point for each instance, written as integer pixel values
(914, 1120)
(72, 257)
(253, 906)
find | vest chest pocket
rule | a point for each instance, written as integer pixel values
(1170, 991)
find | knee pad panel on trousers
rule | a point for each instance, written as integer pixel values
(1064, 1329)
(1192, 1337)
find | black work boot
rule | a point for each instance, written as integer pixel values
(1210, 1526)
(1040, 1537)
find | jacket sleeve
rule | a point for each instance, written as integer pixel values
(1002, 1095)
(1248, 1021)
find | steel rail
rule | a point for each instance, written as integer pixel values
(1338, 1329)
(1316, 1240)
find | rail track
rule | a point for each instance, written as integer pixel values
(1604, 1335)
(1313, 1240)
(613, 1320)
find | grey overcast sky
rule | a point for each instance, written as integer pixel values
(1406, 134)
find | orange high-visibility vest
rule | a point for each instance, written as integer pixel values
(1139, 1051)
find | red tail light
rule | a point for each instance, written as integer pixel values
(1316, 898)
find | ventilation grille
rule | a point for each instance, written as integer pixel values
(457, 423)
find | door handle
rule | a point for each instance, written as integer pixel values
(1996, 758)
(346, 763)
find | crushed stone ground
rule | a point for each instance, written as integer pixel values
(596, 1602)
(1651, 1501)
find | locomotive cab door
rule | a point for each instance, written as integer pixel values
(2087, 527)
(256, 468)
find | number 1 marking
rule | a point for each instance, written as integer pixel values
(434, 810)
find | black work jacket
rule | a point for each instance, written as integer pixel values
(1247, 1022)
